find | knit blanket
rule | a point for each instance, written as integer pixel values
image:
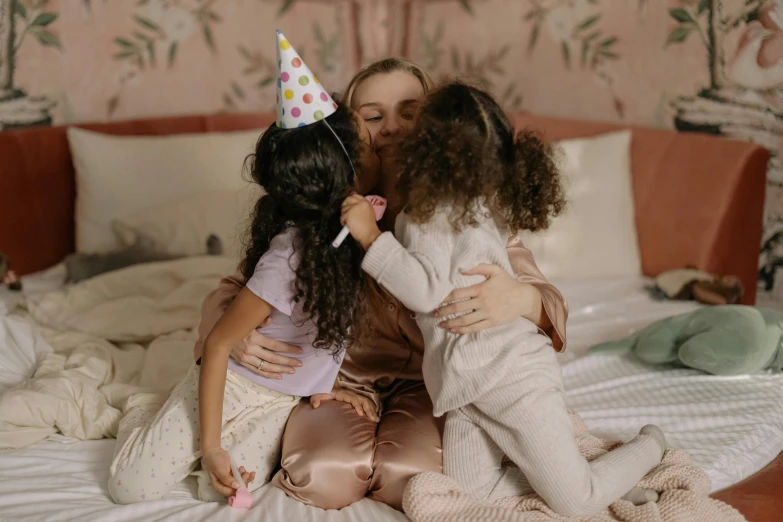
(683, 488)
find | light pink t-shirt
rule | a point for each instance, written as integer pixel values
(273, 281)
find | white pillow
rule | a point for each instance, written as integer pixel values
(182, 227)
(595, 237)
(117, 176)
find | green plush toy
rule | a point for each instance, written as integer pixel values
(720, 340)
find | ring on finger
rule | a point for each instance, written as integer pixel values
(260, 364)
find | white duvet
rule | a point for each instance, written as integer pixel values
(97, 343)
(69, 363)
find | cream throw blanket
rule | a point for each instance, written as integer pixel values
(108, 338)
(683, 488)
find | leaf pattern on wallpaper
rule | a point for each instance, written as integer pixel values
(22, 21)
(285, 6)
(258, 74)
(584, 36)
(466, 6)
(487, 70)
(87, 4)
(695, 18)
(708, 20)
(326, 52)
(575, 26)
(161, 27)
(35, 23)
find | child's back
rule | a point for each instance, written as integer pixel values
(457, 368)
(274, 281)
(305, 162)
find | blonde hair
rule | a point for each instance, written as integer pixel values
(386, 66)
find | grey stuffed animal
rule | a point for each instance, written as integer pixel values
(7, 276)
(84, 266)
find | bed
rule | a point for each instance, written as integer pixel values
(733, 427)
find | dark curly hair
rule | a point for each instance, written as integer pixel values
(464, 150)
(306, 176)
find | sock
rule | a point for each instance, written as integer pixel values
(638, 496)
(655, 432)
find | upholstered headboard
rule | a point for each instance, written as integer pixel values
(699, 199)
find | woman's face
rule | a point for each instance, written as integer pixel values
(369, 171)
(387, 103)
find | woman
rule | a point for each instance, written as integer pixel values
(332, 457)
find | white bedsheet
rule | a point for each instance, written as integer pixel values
(731, 426)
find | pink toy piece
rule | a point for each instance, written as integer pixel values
(378, 205)
(242, 500)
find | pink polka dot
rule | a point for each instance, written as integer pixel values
(295, 112)
(324, 97)
(308, 98)
(335, 106)
(296, 62)
(285, 76)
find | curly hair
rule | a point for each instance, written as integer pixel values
(306, 176)
(464, 151)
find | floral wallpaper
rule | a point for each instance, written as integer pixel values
(695, 65)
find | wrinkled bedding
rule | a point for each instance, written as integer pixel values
(74, 357)
(96, 343)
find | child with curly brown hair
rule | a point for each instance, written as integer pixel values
(469, 181)
(308, 161)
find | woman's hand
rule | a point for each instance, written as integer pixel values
(498, 300)
(256, 352)
(359, 216)
(360, 403)
(218, 464)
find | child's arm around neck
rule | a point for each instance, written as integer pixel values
(244, 314)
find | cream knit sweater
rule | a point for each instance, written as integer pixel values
(421, 266)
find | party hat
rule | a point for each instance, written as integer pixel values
(301, 99)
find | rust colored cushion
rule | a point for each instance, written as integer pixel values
(699, 199)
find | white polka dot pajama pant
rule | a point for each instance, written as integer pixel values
(155, 453)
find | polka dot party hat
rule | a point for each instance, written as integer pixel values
(301, 99)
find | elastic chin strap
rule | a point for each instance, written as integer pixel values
(341, 145)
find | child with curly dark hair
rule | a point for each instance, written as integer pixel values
(299, 288)
(469, 181)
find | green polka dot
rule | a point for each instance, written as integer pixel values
(318, 115)
(304, 80)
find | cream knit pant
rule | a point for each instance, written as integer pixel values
(525, 418)
(159, 447)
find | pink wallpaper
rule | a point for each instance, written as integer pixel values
(697, 65)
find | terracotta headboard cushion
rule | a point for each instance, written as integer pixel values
(699, 199)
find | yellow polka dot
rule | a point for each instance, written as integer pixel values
(289, 94)
(284, 45)
(315, 80)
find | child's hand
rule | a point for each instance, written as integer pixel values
(218, 464)
(359, 216)
(360, 403)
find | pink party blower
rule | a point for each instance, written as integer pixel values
(378, 204)
(243, 499)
